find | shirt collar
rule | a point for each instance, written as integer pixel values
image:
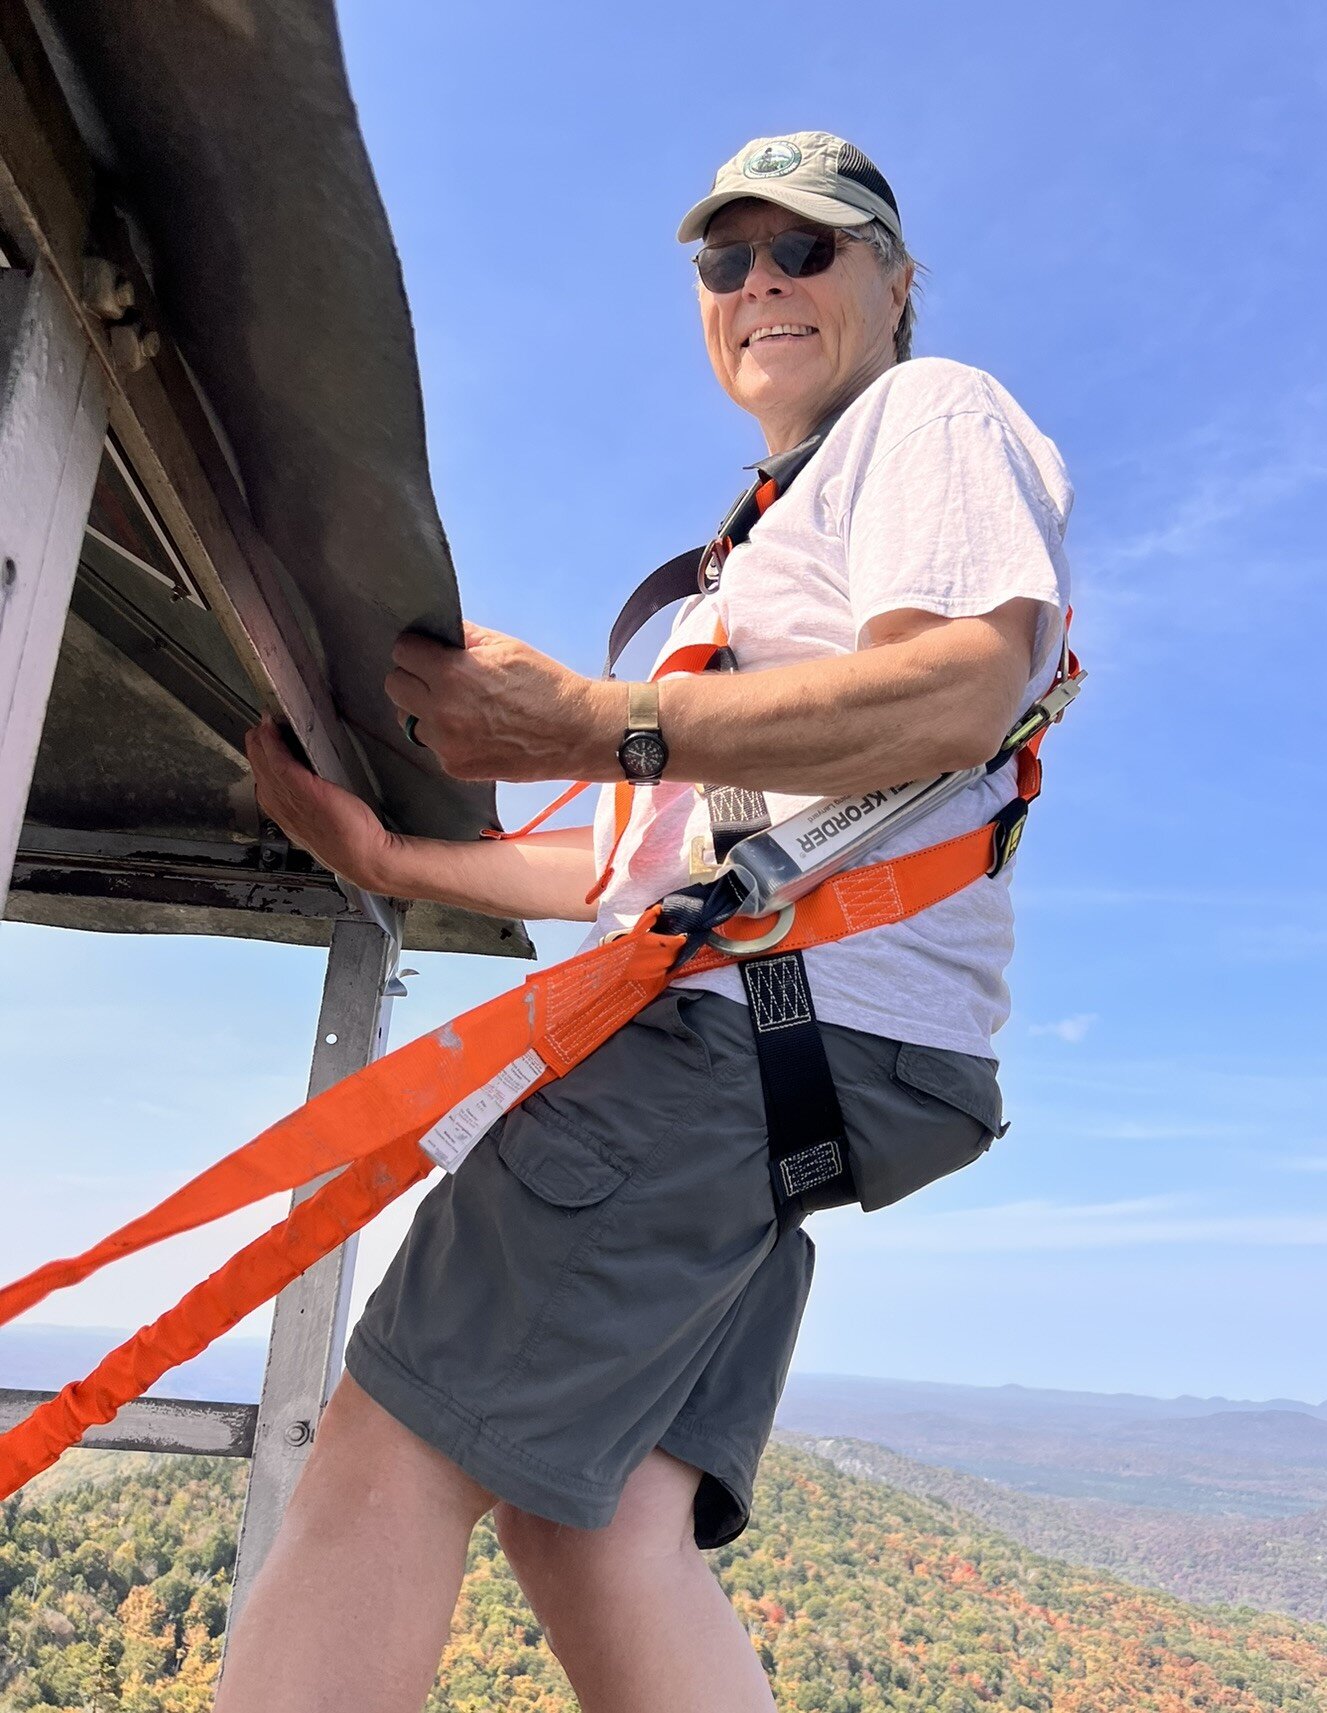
(774, 466)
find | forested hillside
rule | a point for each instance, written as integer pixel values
(859, 1599)
(1278, 1564)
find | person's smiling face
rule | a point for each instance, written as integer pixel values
(791, 350)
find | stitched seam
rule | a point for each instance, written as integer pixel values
(604, 1212)
(778, 994)
(607, 1154)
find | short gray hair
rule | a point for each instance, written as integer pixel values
(894, 257)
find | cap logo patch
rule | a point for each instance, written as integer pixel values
(773, 161)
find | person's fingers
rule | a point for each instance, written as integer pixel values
(410, 694)
(258, 749)
(286, 789)
(474, 633)
(268, 753)
(420, 654)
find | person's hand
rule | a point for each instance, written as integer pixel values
(331, 824)
(498, 709)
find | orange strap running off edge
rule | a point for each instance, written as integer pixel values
(371, 1125)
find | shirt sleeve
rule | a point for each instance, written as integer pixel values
(953, 519)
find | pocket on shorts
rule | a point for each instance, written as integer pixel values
(939, 1112)
(559, 1166)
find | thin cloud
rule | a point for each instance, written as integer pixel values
(1071, 1029)
(1130, 897)
(1028, 1226)
(1228, 486)
(1150, 1130)
(1216, 502)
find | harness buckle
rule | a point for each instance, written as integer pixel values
(1040, 715)
(710, 566)
(1008, 830)
(761, 943)
(700, 862)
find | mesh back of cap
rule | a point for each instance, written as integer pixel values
(853, 164)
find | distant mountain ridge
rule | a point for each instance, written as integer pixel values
(34, 1357)
(1014, 1400)
(1272, 1564)
(1214, 1456)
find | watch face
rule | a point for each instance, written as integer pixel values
(643, 756)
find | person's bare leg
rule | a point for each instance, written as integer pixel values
(352, 1609)
(633, 1611)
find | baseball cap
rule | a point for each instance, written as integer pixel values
(810, 172)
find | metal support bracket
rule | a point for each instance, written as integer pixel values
(309, 1326)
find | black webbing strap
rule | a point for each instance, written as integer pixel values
(808, 1150)
(807, 1147)
(697, 570)
(674, 581)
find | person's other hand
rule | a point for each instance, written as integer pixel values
(330, 823)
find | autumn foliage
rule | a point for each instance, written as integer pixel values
(858, 1599)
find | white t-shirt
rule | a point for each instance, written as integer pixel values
(932, 491)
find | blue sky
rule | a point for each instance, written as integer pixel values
(1120, 209)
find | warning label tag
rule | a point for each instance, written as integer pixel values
(454, 1135)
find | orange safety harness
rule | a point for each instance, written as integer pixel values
(380, 1129)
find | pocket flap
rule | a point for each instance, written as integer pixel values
(559, 1166)
(960, 1079)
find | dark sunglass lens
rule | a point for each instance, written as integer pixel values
(803, 253)
(724, 267)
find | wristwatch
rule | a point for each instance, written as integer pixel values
(643, 752)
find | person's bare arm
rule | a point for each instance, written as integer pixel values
(540, 878)
(927, 695)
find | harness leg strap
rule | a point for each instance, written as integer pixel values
(808, 1150)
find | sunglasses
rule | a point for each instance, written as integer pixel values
(798, 253)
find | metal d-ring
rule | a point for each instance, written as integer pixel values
(761, 943)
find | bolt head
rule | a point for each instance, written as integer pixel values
(298, 1433)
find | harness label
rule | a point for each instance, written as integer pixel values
(817, 831)
(454, 1135)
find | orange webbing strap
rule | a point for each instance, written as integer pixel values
(691, 657)
(248, 1280)
(372, 1123)
(560, 801)
(880, 893)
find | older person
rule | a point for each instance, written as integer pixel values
(587, 1329)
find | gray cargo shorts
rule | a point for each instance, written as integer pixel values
(605, 1273)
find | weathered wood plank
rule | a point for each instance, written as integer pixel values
(52, 423)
